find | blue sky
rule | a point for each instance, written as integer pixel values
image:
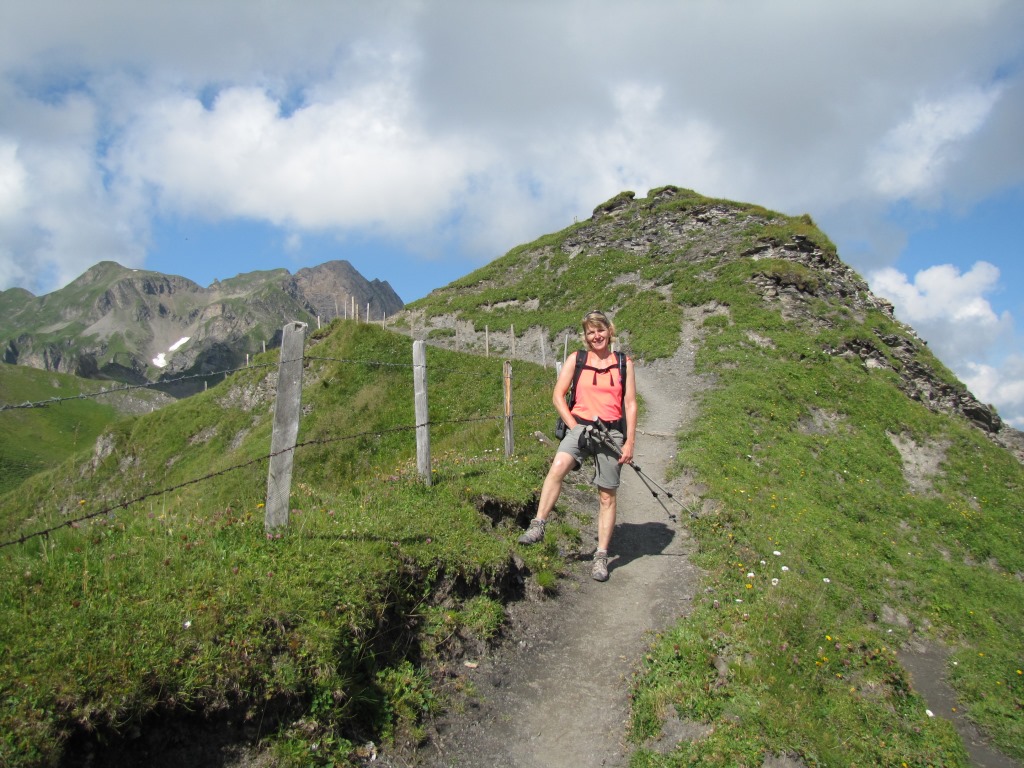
(420, 140)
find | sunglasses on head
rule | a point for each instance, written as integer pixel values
(596, 315)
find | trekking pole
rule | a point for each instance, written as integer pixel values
(600, 431)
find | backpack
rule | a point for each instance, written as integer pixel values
(581, 365)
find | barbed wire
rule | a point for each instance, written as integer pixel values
(126, 387)
(74, 522)
(400, 365)
(349, 360)
(166, 382)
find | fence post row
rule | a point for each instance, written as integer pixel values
(287, 408)
(286, 426)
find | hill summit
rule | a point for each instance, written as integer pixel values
(641, 258)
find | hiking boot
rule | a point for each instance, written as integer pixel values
(534, 533)
(599, 570)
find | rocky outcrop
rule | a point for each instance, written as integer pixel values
(330, 290)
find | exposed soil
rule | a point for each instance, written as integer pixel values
(927, 668)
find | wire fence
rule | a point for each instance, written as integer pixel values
(168, 382)
(111, 508)
(127, 387)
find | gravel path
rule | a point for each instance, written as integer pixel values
(556, 693)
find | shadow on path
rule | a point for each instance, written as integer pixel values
(636, 540)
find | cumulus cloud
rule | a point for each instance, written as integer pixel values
(324, 116)
(1002, 386)
(57, 216)
(355, 162)
(912, 157)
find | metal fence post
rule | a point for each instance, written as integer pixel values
(419, 369)
(286, 426)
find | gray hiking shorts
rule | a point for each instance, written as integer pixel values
(608, 467)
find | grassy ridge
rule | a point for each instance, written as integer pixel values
(180, 602)
(821, 563)
(795, 653)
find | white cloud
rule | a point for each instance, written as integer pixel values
(12, 181)
(467, 128)
(358, 161)
(941, 293)
(331, 116)
(912, 157)
(57, 218)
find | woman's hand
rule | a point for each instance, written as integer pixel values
(627, 452)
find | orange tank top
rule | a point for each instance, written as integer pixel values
(599, 392)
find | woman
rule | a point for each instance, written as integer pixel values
(605, 396)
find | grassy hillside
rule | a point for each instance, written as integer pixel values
(34, 439)
(824, 560)
(824, 555)
(179, 603)
(641, 266)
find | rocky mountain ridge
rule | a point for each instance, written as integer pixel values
(139, 326)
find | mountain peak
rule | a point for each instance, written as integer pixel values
(138, 326)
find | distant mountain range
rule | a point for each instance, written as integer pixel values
(137, 326)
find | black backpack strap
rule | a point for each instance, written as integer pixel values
(622, 378)
(581, 360)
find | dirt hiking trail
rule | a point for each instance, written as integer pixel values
(555, 694)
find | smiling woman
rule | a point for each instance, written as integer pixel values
(605, 400)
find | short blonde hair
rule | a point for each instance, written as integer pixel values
(597, 319)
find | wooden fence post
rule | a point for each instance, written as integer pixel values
(286, 426)
(419, 370)
(510, 446)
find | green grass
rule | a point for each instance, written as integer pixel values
(330, 634)
(816, 542)
(35, 439)
(181, 603)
